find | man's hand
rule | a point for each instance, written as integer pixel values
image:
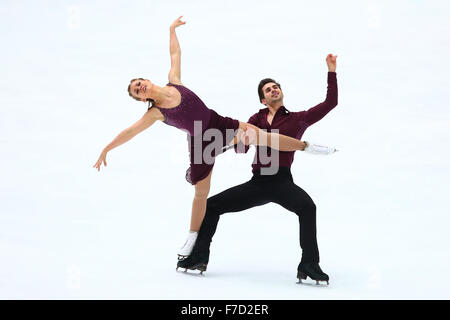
(331, 63)
(177, 23)
(249, 137)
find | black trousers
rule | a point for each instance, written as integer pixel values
(261, 189)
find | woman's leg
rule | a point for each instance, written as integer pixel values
(256, 136)
(199, 203)
(197, 215)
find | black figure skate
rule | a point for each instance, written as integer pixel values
(193, 262)
(312, 270)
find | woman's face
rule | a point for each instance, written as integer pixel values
(140, 89)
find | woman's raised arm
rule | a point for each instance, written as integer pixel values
(175, 53)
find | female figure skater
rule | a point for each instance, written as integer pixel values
(177, 106)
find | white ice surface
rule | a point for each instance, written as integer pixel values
(69, 232)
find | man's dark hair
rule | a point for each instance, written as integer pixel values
(262, 83)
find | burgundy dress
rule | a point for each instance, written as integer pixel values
(183, 116)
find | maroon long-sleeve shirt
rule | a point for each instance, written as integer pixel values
(291, 124)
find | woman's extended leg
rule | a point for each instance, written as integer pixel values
(256, 136)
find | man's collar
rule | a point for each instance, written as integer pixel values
(282, 108)
(286, 111)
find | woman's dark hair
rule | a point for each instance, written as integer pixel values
(151, 102)
(262, 83)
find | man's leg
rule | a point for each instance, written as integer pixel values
(238, 198)
(295, 199)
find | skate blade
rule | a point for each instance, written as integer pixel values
(318, 283)
(185, 271)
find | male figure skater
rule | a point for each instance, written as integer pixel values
(279, 187)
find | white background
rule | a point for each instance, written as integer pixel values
(70, 232)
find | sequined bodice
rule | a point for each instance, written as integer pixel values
(190, 109)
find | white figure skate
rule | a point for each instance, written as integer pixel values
(186, 249)
(313, 148)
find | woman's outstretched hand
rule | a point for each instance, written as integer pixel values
(177, 23)
(101, 159)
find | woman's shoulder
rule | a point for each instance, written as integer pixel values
(174, 89)
(175, 83)
(155, 113)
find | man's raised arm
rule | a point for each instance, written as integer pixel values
(318, 112)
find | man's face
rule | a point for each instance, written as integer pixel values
(272, 93)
